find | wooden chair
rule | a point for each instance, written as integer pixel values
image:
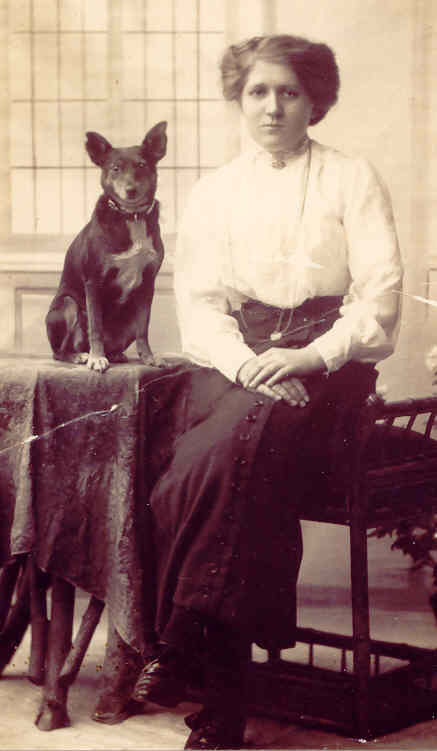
(386, 474)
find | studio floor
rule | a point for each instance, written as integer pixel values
(400, 612)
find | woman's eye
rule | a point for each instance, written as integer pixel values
(259, 91)
(115, 168)
(291, 93)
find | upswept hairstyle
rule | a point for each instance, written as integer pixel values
(313, 63)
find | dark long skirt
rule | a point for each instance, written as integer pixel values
(227, 470)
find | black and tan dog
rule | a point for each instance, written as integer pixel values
(106, 290)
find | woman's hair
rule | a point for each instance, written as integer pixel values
(313, 63)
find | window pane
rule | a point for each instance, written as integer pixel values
(186, 66)
(45, 15)
(73, 208)
(212, 133)
(96, 15)
(20, 15)
(133, 16)
(45, 68)
(22, 208)
(211, 49)
(185, 181)
(159, 68)
(96, 79)
(159, 15)
(212, 15)
(93, 190)
(70, 15)
(21, 134)
(157, 111)
(97, 118)
(134, 126)
(133, 61)
(166, 195)
(187, 135)
(48, 201)
(72, 134)
(185, 15)
(71, 66)
(20, 66)
(46, 133)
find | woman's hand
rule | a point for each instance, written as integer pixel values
(290, 390)
(277, 364)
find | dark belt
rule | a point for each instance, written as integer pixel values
(259, 323)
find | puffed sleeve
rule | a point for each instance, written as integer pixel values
(368, 327)
(210, 335)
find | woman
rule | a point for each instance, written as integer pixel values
(287, 276)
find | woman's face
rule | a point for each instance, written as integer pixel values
(276, 107)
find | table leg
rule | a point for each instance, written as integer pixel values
(88, 625)
(39, 582)
(53, 711)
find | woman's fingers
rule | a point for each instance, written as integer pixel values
(280, 374)
(292, 383)
(286, 395)
(260, 374)
(269, 392)
(292, 391)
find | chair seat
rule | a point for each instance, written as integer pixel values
(401, 472)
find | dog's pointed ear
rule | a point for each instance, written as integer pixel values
(97, 147)
(155, 142)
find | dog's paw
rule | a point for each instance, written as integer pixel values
(98, 362)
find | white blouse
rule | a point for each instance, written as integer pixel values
(322, 225)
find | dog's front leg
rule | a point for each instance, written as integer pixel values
(142, 334)
(96, 357)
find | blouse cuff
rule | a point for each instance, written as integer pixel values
(230, 356)
(328, 350)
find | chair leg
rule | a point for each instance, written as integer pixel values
(18, 616)
(53, 711)
(39, 582)
(361, 625)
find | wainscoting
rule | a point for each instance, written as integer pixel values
(30, 270)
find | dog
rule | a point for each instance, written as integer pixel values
(106, 289)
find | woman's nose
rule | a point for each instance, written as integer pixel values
(273, 104)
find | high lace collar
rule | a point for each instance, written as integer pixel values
(279, 159)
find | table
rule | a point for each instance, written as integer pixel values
(71, 478)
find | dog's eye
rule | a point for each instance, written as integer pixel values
(142, 165)
(115, 168)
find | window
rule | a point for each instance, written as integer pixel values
(117, 67)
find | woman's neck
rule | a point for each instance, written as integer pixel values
(298, 148)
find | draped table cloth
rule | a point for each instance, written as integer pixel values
(71, 478)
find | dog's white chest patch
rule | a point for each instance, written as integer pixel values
(140, 239)
(131, 263)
